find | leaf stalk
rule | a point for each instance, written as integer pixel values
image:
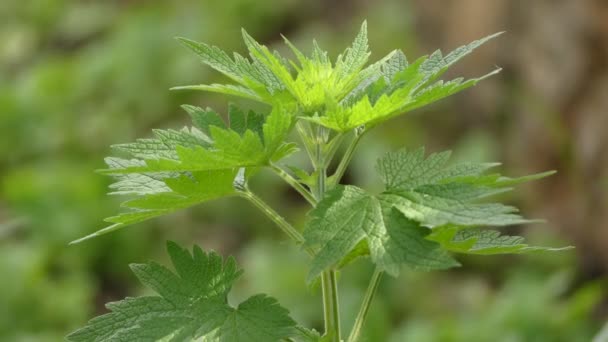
(365, 305)
(347, 157)
(295, 184)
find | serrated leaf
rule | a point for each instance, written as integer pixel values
(274, 72)
(214, 57)
(394, 226)
(228, 149)
(178, 192)
(483, 242)
(180, 169)
(397, 87)
(436, 194)
(355, 57)
(192, 304)
(237, 119)
(135, 184)
(204, 118)
(348, 215)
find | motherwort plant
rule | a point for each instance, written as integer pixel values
(430, 209)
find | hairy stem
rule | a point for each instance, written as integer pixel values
(367, 301)
(287, 228)
(294, 184)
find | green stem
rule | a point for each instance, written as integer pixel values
(348, 156)
(287, 228)
(367, 301)
(329, 282)
(294, 184)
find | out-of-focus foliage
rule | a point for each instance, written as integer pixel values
(78, 76)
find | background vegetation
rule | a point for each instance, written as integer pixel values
(78, 76)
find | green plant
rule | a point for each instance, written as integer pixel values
(428, 210)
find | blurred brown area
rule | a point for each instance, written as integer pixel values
(555, 60)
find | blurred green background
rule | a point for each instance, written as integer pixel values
(78, 76)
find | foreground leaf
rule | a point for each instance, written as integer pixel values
(435, 194)
(348, 215)
(192, 303)
(429, 208)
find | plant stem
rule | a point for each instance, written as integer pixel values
(367, 300)
(329, 283)
(348, 156)
(294, 184)
(287, 228)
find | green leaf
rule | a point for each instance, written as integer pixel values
(348, 215)
(174, 194)
(355, 57)
(244, 144)
(192, 304)
(274, 72)
(395, 87)
(483, 242)
(435, 194)
(215, 58)
(135, 184)
(180, 169)
(204, 118)
(395, 227)
(226, 89)
(165, 143)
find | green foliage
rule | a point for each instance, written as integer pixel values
(342, 95)
(179, 169)
(348, 215)
(427, 210)
(192, 304)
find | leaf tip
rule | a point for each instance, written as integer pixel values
(100, 232)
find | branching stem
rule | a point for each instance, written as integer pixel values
(295, 184)
(287, 228)
(348, 156)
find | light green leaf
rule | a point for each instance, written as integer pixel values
(355, 57)
(225, 149)
(192, 304)
(396, 87)
(179, 169)
(274, 72)
(227, 89)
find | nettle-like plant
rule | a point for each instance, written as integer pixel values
(429, 209)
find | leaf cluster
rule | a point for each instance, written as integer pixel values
(428, 211)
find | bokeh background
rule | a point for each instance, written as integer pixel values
(78, 76)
